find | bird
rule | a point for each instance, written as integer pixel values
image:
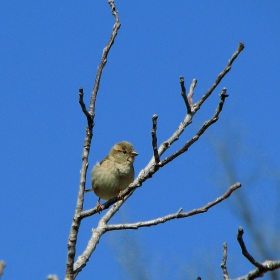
(114, 173)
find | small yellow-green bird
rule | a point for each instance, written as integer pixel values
(114, 173)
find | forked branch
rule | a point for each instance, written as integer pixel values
(261, 268)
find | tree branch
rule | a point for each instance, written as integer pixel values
(154, 139)
(183, 93)
(72, 240)
(224, 262)
(103, 62)
(103, 226)
(205, 126)
(245, 253)
(178, 215)
(220, 76)
(261, 269)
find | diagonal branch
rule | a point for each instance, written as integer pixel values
(239, 237)
(178, 215)
(205, 126)
(220, 76)
(194, 108)
(72, 240)
(257, 273)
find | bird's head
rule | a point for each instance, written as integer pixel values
(123, 151)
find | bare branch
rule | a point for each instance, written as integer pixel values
(191, 92)
(72, 240)
(154, 138)
(188, 119)
(177, 215)
(205, 126)
(261, 269)
(83, 106)
(239, 237)
(103, 226)
(103, 62)
(257, 273)
(183, 93)
(224, 262)
(220, 76)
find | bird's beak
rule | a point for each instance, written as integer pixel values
(134, 153)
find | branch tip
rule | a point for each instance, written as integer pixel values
(185, 97)
(154, 138)
(241, 46)
(244, 250)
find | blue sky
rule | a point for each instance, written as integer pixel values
(51, 48)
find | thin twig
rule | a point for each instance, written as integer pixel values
(103, 62)
(224, 262)
(154, 138)
(188, 119)
(191, 92)
(177, 215)
(220, 76)
(257, 273)
(183, 93)
(239, 237)
(205, 126)
(83, 106)
(72, 240)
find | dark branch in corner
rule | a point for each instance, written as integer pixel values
(261, 268)
(239, 237)
(154, 138)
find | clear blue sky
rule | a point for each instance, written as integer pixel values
(49, 49)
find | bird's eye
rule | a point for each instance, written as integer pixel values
(125, 152)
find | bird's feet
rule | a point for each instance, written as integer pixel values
(98, 206)
(121, 195)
